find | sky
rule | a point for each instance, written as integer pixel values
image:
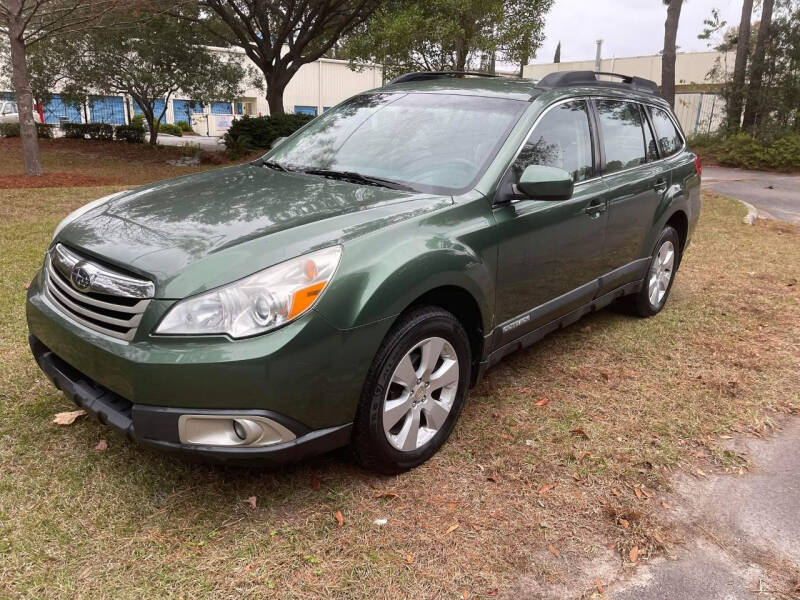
(628, 27)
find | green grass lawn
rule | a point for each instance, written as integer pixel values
(650, 396)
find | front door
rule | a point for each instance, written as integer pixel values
(551, 252)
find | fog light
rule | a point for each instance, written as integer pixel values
(231, 430)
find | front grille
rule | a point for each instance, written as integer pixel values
(97, 297)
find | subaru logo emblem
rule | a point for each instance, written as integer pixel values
(81, 278)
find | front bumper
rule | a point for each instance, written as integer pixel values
(158, 426)
(308, 370)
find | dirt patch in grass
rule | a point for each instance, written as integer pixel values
(520, 488)
(49, 180)
(102, 162)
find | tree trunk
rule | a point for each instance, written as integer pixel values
(752, 108)
(736, 99)
(668, 57)
(461, 54)
(276, 85)
(152, 124)
(22, 88)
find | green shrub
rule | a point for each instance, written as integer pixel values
(185, 127)
(43, 130)
(137, 121)
(170, 129)
(257, 133)
(94, 131)
(744, 151)
(129, 133)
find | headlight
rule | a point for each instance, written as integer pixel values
(256, 303)
(83, 210)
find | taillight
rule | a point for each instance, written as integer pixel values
(698, 164)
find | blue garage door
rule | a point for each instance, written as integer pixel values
(58, 108)
(305, 110)
(107, 109)
(182, 110)
(157, 108)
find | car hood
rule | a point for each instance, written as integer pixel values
(204, 230)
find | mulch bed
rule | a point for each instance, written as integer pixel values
(54, 180)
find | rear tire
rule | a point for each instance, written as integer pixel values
(651, 299)
(414, 392)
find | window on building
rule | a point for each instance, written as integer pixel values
(669, 138)
(325, 109)
(182, 110)
(623, 137)
(221, 108)
(562, 139)
(305, 110)
(158, 108)
(58, 110)
(107, 109)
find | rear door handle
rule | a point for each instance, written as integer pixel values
(660, 186)
(596, 207)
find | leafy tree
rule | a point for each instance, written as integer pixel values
(151, 60)
(670, 49)
(27, 23)
(280, 36)
(448, 34)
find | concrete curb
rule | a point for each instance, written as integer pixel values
(752, 213)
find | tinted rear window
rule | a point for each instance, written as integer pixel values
(669, 138)
(623, 137)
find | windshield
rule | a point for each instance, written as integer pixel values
(435, 143)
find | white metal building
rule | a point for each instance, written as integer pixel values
(697, 111)
(315, 87)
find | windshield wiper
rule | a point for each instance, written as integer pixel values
(354, 177)
(273, 165)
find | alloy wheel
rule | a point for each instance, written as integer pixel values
(661, 272)
(420, 395)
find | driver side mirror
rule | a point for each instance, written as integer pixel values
(546, 183)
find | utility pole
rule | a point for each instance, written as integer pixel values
(598, 61)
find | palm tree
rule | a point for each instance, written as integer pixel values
(668, 56)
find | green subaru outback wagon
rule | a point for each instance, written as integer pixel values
(349, 287)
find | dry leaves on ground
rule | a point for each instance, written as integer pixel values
(68, 418)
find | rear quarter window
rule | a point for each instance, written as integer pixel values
(669, 138)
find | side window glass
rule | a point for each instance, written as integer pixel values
(649, 141)
(623, 137)
(669, 138)
(562, 139)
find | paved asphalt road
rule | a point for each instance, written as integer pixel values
(774, 195)
(746, 530)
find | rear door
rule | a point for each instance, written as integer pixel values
(637, 180)
(550, 252)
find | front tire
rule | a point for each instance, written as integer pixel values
(414, 392)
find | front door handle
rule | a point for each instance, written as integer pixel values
(596, 207)
(660, 186)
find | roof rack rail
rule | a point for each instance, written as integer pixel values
(570, 78)
(426, 75)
